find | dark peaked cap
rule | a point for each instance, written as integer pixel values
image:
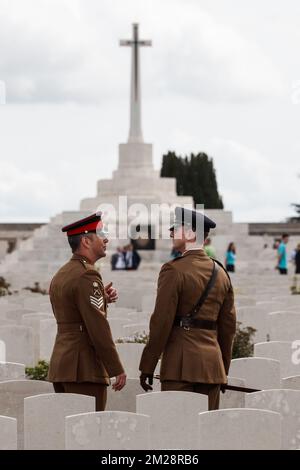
(86, 225)
(192, 218)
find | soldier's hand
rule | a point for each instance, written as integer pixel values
(143, 381)
(111, 293)
(222, 388)
(120, 382)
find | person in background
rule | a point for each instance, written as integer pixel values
(209, 248)
(282, 256)
(132, 258)
(118, 261)
(230, 257)
(297, 259)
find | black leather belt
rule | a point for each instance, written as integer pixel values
(187, 323)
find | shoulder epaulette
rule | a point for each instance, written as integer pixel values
(88, 266)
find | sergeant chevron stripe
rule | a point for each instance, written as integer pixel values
(96, 302)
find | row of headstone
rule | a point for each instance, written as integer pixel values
(175, 420)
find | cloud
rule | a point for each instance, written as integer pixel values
(210, 61)
(253, 185)
(28, 192)
(50, 54)
(63, 50)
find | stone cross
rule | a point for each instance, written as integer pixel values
(135, 133)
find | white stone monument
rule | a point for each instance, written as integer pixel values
(135, 177)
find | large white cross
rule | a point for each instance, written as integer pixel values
(135, 132)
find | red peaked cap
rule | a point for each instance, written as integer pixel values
(86, 225)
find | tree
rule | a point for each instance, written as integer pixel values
(296, 206)
(297, 209)
(195, 176)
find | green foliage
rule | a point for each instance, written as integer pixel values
(297, 209)
(140, 338)
(242, 345)
(39, 372)
(4, 287)
(195, 176)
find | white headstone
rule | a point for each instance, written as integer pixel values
(126, 399)
(285, 402)
(8, 433)
(48, 330)
(239, 429)
(255, 318)
(173, 417)
(293, 382)
(117, 327)
(36, 300)
(19, 344)
(233, 399)
(114, 430)
(258, 372)
(12, 394)
(130, 354)
(17, 314)
(283, 352)
(284, 326)
(33, 320)
(11, 371)
(50, 410)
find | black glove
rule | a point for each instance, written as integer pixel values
(222, 388)
(143, 381)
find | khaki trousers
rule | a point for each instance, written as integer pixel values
(212, 390)
(99, 391)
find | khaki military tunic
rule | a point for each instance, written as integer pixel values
(195, 355)
(84, 350)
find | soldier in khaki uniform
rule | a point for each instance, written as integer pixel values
(84, 355)
(195, 344)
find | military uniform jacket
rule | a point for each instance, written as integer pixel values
(78, 298)
(195, 355)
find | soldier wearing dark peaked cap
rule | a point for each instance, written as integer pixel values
(84, 356)
(194, 320)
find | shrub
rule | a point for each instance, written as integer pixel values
(36, 289)
(4, 287)
(242, 345)
(140, 338)
(39, 372)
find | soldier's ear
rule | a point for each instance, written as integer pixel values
(85, 241)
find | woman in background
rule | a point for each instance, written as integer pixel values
(230, 257)
(297, 259)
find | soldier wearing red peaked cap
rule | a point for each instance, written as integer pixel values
(84, 356)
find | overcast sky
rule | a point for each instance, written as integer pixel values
(222, 77)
